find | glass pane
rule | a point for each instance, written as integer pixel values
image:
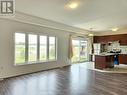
(75, 42)
(76, 48)
(83, 51)
(32, 49)
(43, 48)
(19, 48)
(52, 48)
(79, 50)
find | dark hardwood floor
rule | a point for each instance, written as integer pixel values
(73, 80)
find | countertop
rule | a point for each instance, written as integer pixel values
(123, 53)
(108, 54)
(105, 54)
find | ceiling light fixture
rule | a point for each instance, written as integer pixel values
(115, 29)
(73, 5)
(90, 35)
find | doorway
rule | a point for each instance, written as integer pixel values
(80, 53)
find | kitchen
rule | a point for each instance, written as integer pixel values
(109, 50)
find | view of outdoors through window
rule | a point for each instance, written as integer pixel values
(52, 48)
(19, 48)
(27, 47)
(43, 48)
(79, 50)
(32, 50)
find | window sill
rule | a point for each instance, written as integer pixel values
(35, 63)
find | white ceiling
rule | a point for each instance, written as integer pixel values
(101, 15)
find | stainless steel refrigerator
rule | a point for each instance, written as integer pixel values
(97, 48)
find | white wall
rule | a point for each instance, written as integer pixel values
(46, 23)
(7, 30)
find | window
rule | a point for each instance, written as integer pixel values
(32, 48)
(19, 48)
(52, 48)
(43, 48)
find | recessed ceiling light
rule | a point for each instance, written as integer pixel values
(90, 34)
(73, 5)
(115, 29)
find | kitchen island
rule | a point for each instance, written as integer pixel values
(105, 60)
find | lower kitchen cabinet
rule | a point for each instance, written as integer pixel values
(122, 58)
(104, 61)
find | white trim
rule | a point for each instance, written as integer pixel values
(34, 20)
(48, 47)
(26, 48)
(56, 48)
(34, 63)
(38, 47)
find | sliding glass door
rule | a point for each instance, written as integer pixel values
(79, 50)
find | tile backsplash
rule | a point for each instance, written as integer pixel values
(123, 49)
(117, 46)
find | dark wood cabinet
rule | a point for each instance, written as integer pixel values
(123, 41)
(102, 62)
(123, 58)
(120, 59)
(100, 39)
(122, 38)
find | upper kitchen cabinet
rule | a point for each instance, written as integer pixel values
(122, 38)
(100, 39)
